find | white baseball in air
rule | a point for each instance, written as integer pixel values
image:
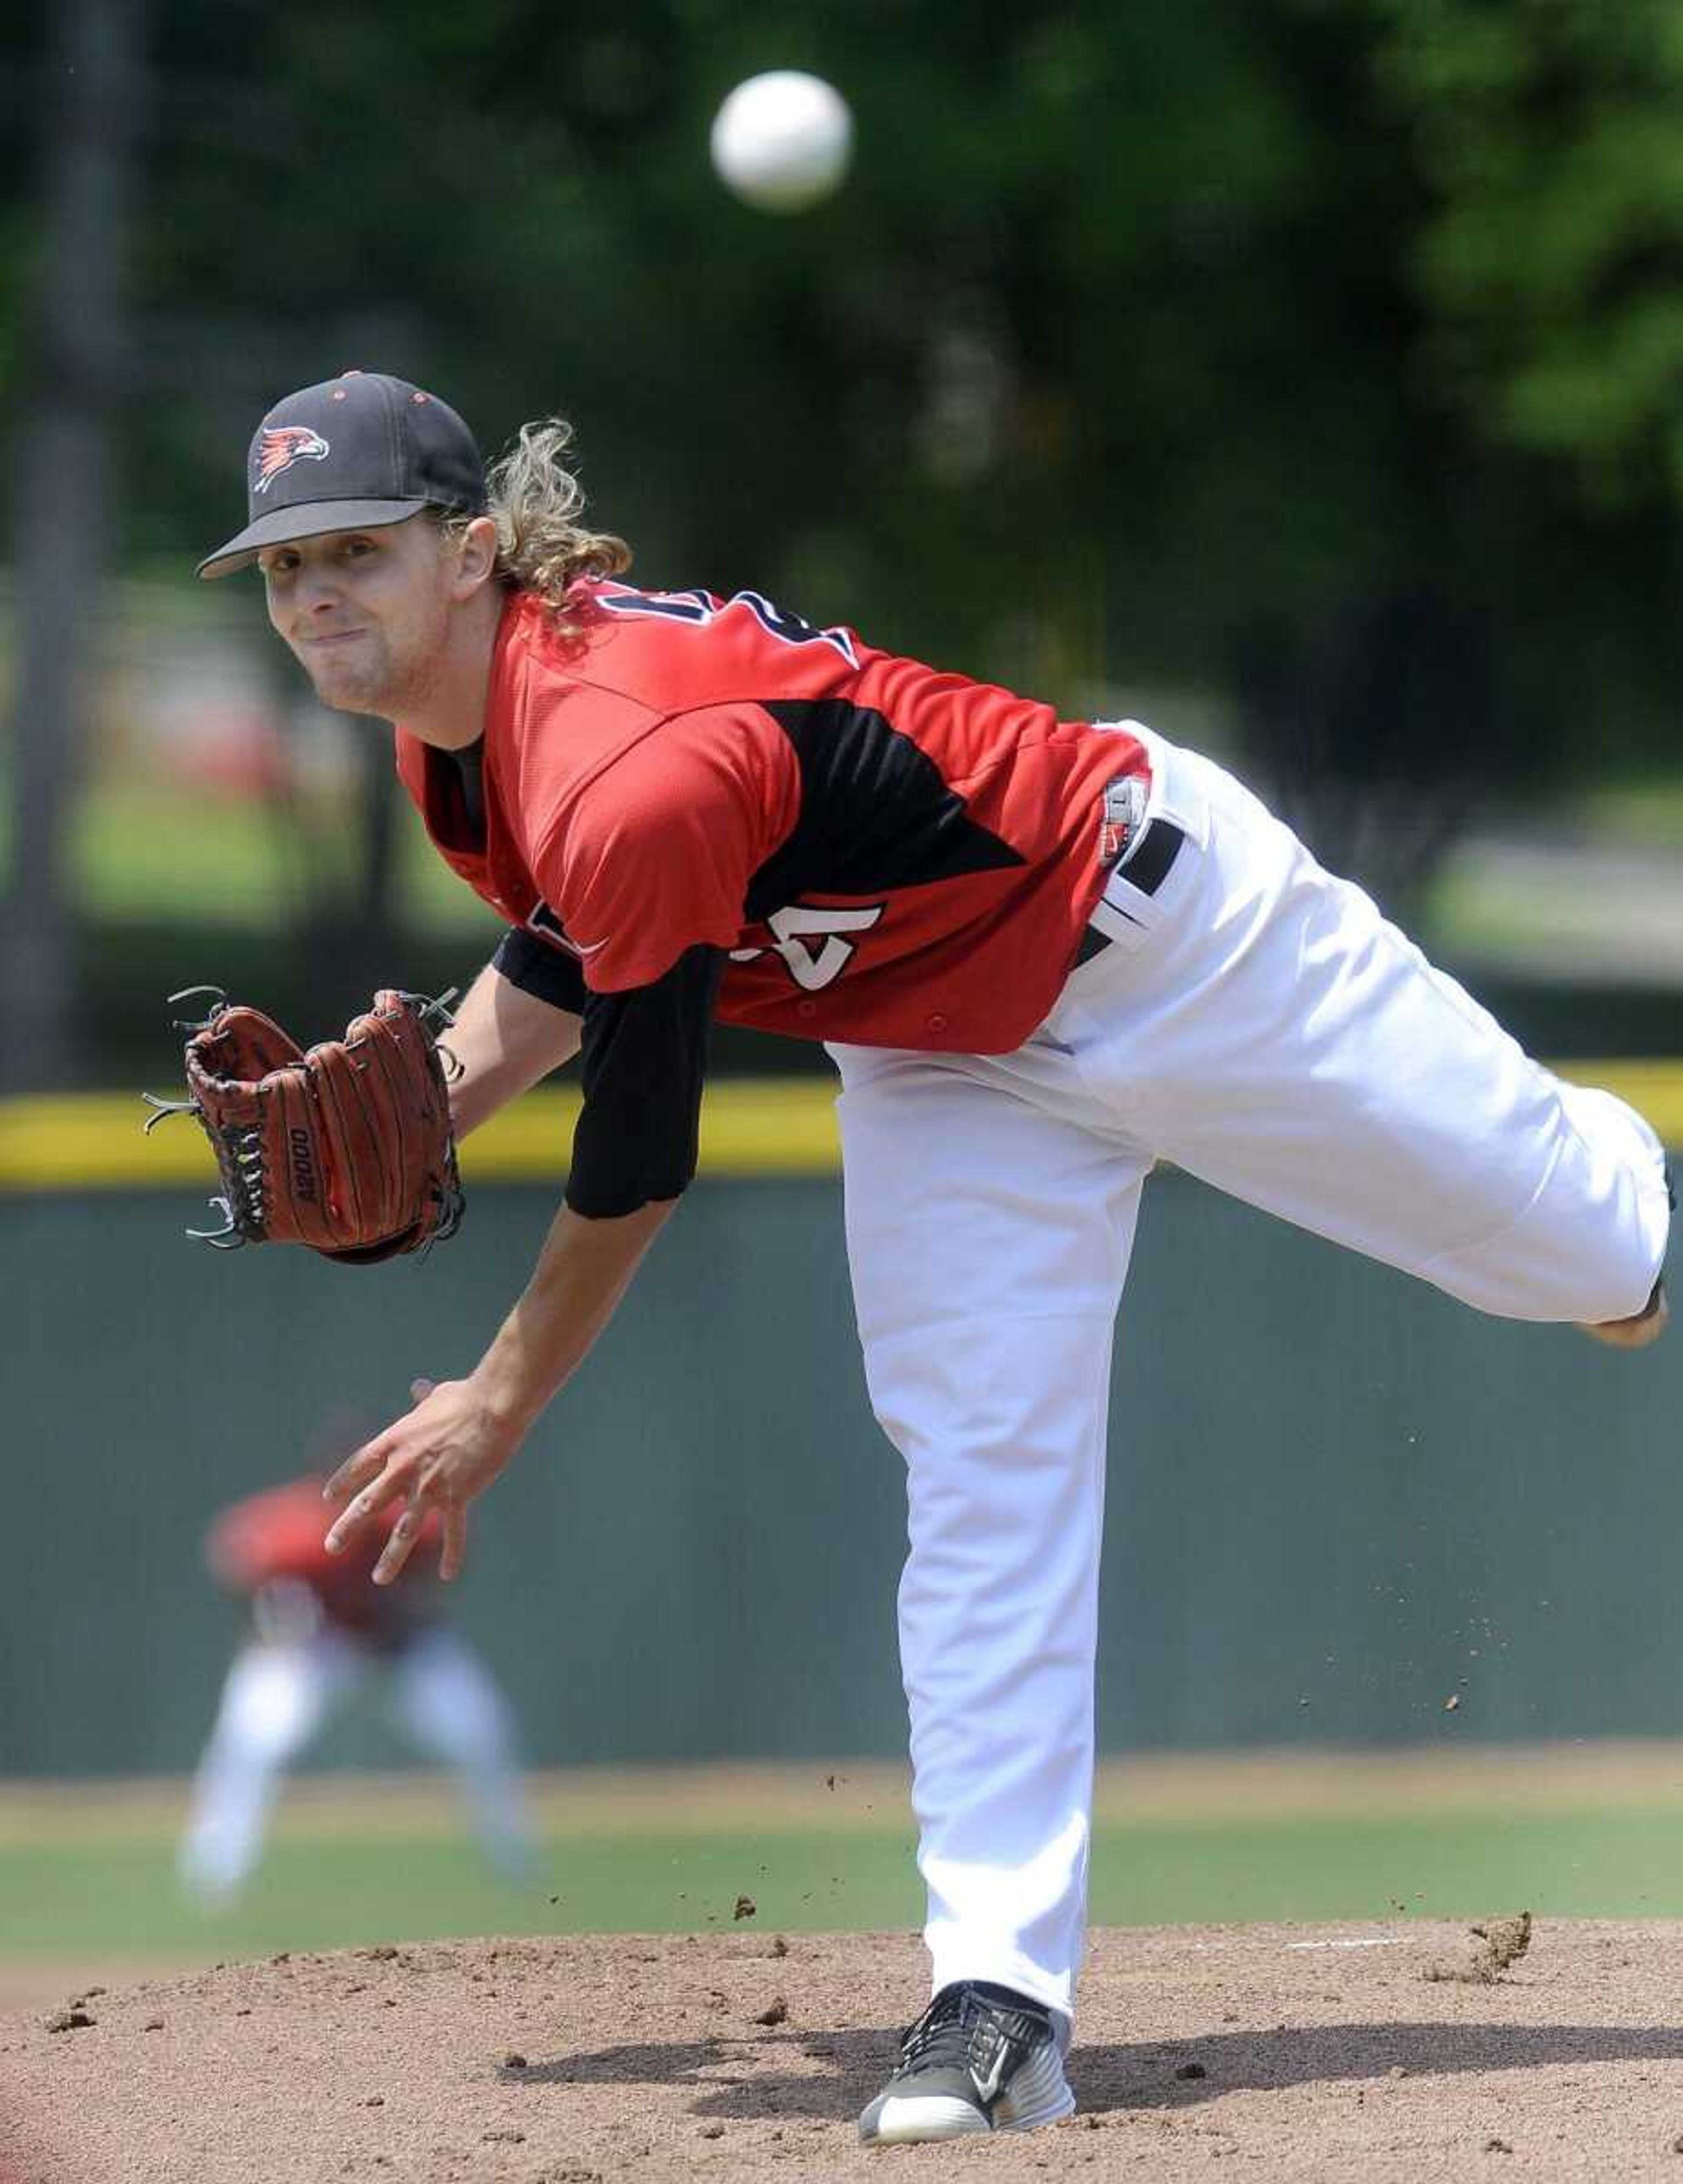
(781, 141)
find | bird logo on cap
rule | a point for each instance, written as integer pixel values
(281, 446)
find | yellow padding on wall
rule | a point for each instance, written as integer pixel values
(95, 1140)
(750, 1127)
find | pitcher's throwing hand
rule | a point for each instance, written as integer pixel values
(435, 1459)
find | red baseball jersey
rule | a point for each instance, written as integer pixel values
(277, 1535)
(887, 855)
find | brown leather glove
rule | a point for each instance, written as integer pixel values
(348, 1148)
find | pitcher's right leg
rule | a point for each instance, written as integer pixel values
(988, 1240)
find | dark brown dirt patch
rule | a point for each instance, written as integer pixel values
(1297, 2052)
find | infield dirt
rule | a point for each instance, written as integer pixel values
(1289, 2052)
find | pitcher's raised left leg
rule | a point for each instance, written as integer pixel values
(1288, 1044)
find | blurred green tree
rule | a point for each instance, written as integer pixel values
(70, 366)
(1092, 376)
(1114, 362)
(1315, 352)
(1548, 138)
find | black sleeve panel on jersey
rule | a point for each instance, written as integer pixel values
(541, 971)
(644, 1058)
(875, 811)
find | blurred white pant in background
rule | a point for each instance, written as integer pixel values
(278, 1695)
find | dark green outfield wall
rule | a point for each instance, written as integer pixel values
(1334, 1495)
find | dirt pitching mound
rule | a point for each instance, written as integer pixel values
(1403, 2052)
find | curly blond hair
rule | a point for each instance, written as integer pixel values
(535, 502)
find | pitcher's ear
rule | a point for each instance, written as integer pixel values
(475, 549)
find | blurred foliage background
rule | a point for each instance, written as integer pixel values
(1303, 375)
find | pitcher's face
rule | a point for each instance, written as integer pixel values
(366, 613)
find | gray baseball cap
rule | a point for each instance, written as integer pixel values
(356, 451)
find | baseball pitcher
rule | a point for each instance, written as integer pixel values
(1044, 954)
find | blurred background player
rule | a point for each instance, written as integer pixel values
(321, 1633)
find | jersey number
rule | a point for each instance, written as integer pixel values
(698, 609)
(794, 930)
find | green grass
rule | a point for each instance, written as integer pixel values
(1601, 1861)
(1645, 812)
(163, 854)
(92, 1899)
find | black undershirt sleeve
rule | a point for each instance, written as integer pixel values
(541, 971)
(644, 1059)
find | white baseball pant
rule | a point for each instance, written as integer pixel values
(277, 1696)
(1258, 1023)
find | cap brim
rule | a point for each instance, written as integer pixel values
(309, 520)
